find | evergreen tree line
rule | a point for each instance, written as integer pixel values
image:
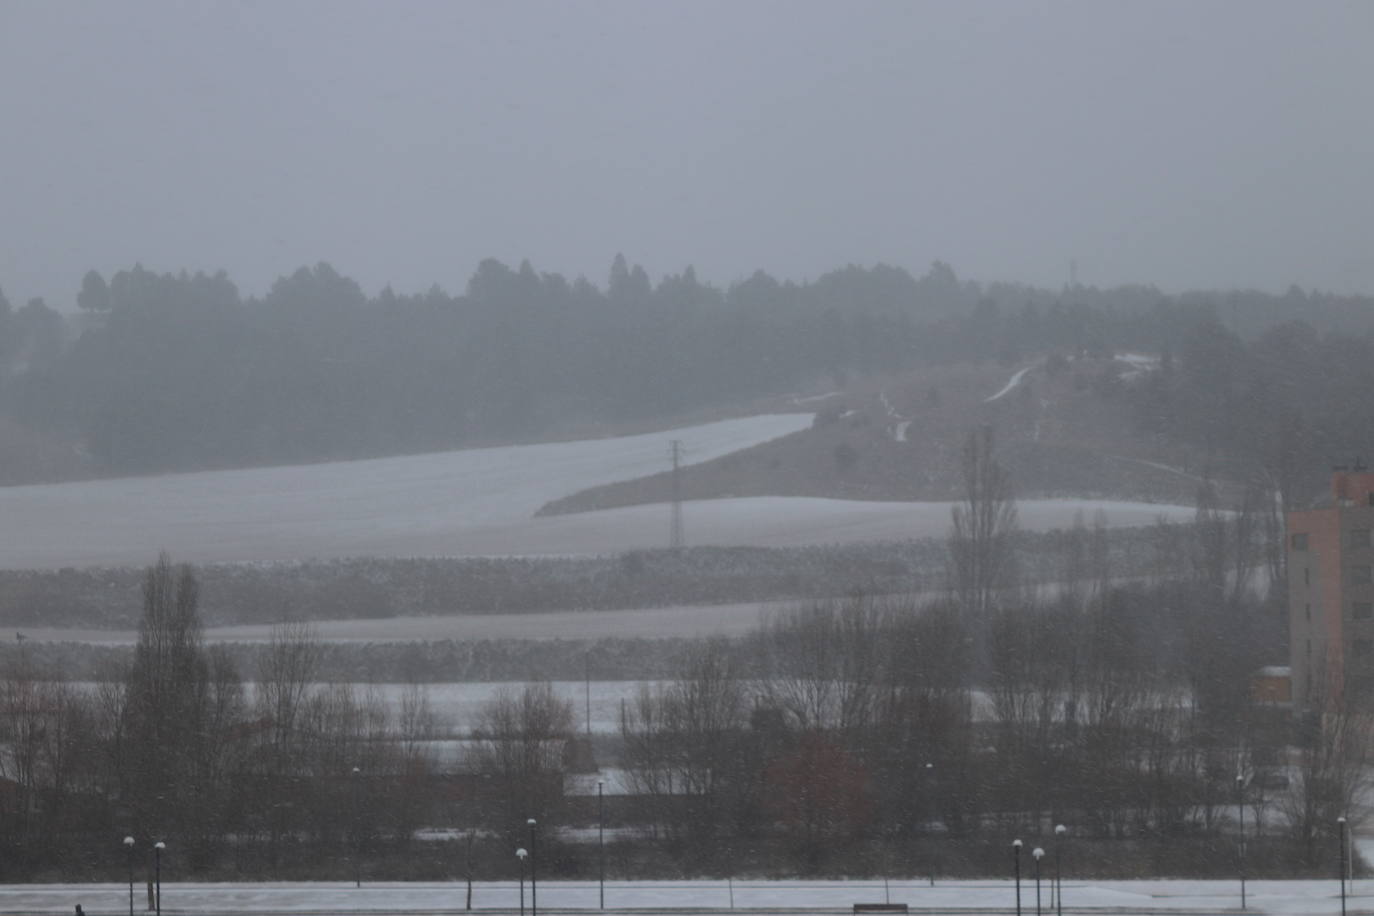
(1282, 408)
(180, 371)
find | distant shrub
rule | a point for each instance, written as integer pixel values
(845, 457)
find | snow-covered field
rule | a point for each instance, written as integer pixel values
(478, 502)
(474, 501)
(687, 621)
(456, 704)
(1115, 897)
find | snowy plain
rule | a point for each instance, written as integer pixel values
(1125, 898)
(477, 502)
(596, 705)
(674, 621)
(471, 501)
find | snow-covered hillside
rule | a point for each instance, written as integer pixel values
(435, 504)
(464, 503)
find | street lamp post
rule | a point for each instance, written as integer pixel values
(1016, 857)
(1059, 832)
(929, 771)
(520, 854)
(129, 854)
(357, 832)
(157, 874)
(534, 881)
(1240, 806)
(1340, 830)
(601, 837)
(1037, 854)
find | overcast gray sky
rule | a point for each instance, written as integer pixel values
(1198, 144)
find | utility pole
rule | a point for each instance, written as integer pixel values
(676, 537)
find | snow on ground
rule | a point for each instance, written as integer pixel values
(812, 399)
(888, 409)
(456, 705)
(764, 521)
(1009, 386)
(1290, 898)
(471, 503)
(769, 521)
(475, 501)
(478, 502)
(1139, 363)
(1157, 466)
(896, 430)
(649, 623)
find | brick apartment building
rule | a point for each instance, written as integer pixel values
(1331, 593)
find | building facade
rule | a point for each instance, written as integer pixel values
(1331, 594)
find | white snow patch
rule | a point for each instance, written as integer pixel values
(684, 621)
(788, 521)
(887, 405)
(475, 501)
(1009, 386)
(1157, 466)
(815, 398)
(895, 431)
(774, 521)
(1140, 364)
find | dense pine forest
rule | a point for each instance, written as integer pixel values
(177, 371)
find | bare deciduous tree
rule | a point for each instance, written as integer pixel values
(685, 740)
(521, 739)
(981, 561)
(823, 663)
(1332, 766)
(286, 675)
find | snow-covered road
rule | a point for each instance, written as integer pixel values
(1124, 898)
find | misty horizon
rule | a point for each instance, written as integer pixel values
(1179, 146)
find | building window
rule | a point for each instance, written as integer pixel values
(1359, 537)
(1307, 610)
(1309, 648)
(1299, 540)
(1359, 574)
(1361, 648)
(1306, 576)
(1362, 610)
